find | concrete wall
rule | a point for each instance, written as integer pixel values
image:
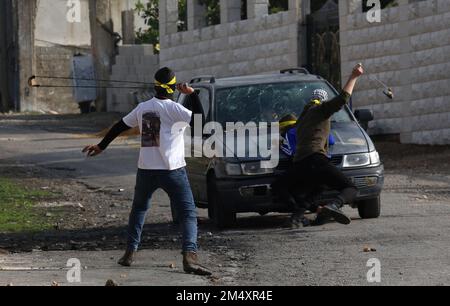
(52, 27)
(46, 43)
(410, 51)
(134, 63)
(261, 44)
(55, 42)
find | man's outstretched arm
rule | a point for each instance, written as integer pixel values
(335, 105)
(114, 132)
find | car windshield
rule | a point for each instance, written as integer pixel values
(269, 102)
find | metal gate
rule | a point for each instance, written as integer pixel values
(324, 56)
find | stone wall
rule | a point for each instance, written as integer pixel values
(54, 61)
(134, 63)
(262, 43)
(410, 51)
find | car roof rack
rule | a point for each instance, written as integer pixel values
(211, 79)
(292, 70)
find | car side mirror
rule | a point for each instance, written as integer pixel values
(364, 116)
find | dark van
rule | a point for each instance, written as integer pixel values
(230, 185)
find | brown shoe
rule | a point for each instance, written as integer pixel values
(191, 265)
(127, 259)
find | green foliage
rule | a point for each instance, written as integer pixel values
(17, 211)
(150, 13)
(277, 6)
(212, 11)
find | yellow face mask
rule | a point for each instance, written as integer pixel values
(168, 85)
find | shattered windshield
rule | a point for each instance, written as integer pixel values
(269, 102)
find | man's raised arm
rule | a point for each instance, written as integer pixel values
(335, 105)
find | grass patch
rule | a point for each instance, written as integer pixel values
(17, 211)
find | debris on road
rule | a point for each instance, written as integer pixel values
(111, 283)
(55, 284)
(369, 249)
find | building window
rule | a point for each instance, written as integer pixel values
(244, 14)
(277, 6)
(212, 11)
(182, 16)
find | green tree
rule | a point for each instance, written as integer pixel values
(212, 11)
(276, 6)
(150, 13)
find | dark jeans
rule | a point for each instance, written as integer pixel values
(308, 176)
(176, 185)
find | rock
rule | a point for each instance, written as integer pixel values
(121, 190)
(214, 279)
(172, 266)
(369, 249)
(111, 283)
(10, 285)
(49, 215)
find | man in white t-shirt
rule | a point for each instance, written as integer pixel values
(162, 123)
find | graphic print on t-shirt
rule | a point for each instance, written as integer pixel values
(151, 129)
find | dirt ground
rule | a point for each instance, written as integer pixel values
(90, 218)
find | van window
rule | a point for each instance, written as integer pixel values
(204, 96)
(269, 102)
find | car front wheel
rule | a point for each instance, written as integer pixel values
(370, 209)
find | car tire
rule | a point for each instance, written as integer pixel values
(370, 209)
(222, 216)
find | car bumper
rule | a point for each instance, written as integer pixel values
(254, 194)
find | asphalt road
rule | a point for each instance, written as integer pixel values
(411, 239)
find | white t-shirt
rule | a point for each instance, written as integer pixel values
(162, 146)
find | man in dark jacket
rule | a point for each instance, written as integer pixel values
(312, 167)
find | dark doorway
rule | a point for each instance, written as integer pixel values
(8, 62)
(324, 56)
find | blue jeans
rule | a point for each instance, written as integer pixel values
(176, 184)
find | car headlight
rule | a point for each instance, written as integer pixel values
(375, 158)
(356, 160)
(254, 168)
(361, 160)
(233, 169)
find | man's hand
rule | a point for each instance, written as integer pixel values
(358, 71)
(92, 150)
(185, 89)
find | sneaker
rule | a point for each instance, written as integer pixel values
(299, 220)
(332, 210)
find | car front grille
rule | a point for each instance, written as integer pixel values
(286, 164)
